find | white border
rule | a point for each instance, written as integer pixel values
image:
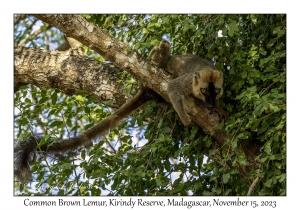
(8, 201)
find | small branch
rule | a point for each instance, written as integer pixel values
(32, 36)
(18, 115)
(113, 149)
(266, 89)
(252, 186)
(106, 20)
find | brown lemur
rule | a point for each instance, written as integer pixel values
(198, 78)
(195, 77)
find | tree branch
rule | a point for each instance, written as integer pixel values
(69, 72)
(252, 186)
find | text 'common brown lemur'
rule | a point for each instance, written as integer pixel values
(193, 76)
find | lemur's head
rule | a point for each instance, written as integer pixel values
(208, 86)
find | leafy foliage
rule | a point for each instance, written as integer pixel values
(157, 155)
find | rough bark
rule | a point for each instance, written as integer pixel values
(70, 72)
(115, 51)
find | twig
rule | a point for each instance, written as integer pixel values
(266, 89)
(252, 186)
(32, 36)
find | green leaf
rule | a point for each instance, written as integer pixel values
(159, 125)
(244, 74)
(271, 69)
(140, 174)
(65, 166)
(54, 98)
(148, 111)
(234, 144)
(145, 31)
(194, 173)
(255, 74)
(255, 124)
(271, 43)
(207, 193)
(96, 192)
(228, 191)
(87, 126)
(264, 191)
(154, 147)
(52, 112)
(267, 149)
(69, 122)
(43, 99)
(61, 192)
(80, 98)
(209, 166)
(213, 152)
(242, 159)
(56, 123)
(27, 100)
(140, 120)
(23, 87)
(232, 28)
(277, 29)
(155, 42)
(21, 187)
(83, 154)
(252, 53)
(108, 103)
(272, 157)
(281, 178)
(269, 183)
(226, 178)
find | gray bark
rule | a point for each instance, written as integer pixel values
(69, 71)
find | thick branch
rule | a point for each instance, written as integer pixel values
(69, 72)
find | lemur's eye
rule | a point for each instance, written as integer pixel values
(217, 90)
(203, 90)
